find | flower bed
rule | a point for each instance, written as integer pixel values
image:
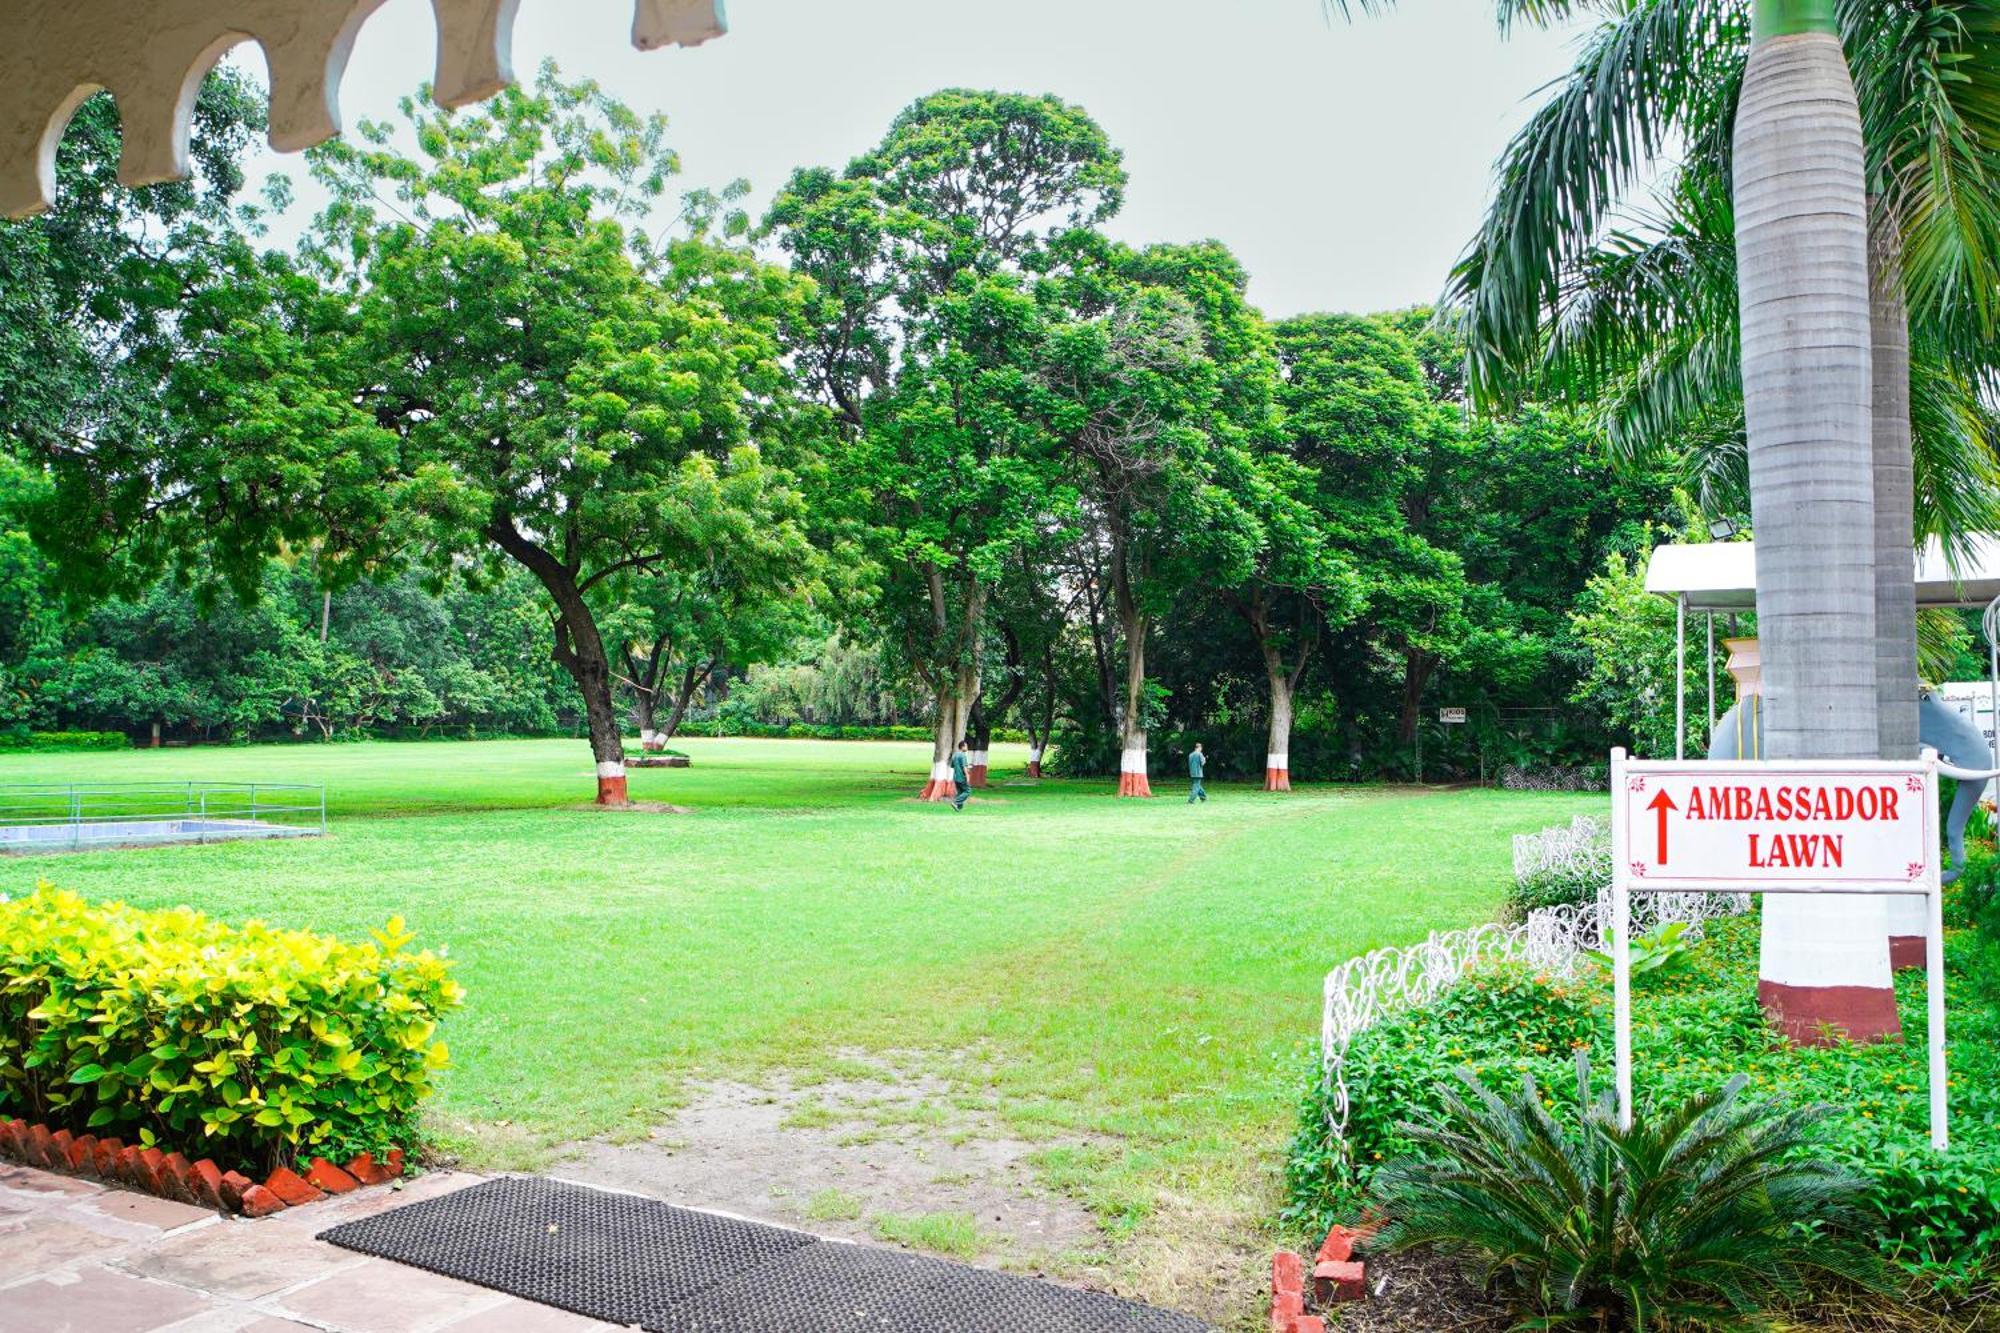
(258, 1047)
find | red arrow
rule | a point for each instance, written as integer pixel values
(1660, 804)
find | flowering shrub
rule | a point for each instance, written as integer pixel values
(251, 1045)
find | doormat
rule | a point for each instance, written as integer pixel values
(632, 1260)
(832, 1287)
(616, 1257)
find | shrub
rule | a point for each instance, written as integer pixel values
(250, 1044)
(64, 740)
(1565, 864)
(1939, 1218)
(1706, 1209)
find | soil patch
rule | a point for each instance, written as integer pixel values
(641, 808)
(1419, 1291)
(888, 1158)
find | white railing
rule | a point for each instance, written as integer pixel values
(54, 816)
(1363, 991)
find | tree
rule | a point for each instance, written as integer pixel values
(1159, 366)
(739, 601)
(476, 362)
(924, 340)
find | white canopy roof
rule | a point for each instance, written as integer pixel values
(1722, 576)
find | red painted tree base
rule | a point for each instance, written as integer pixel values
(1134, 784)
(612, 791)
(936, 790)
(172, 1176)
(1822, 1015)
(1034, 768)
(1277, 779)
(976, 775)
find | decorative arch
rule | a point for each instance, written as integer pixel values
(153, 57)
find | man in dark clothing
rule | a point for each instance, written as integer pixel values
(959, 781)
(1196, 762)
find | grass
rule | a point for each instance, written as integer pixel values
(832, 1205)
(954, 1235)
(1131, 983)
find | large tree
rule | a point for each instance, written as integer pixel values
(476, 362)
(924, 340)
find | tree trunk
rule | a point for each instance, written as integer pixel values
(645, 705)
(954, 712)
(1132, 723)
(978, 737)
(692, 680)
(1802, 260)
(579, 650)
(1277, 764)
(1895, 540)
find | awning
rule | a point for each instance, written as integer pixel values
(1722, 576)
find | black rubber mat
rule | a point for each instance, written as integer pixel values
(834, 1288)
(610, 1256)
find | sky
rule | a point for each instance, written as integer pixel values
(1346, 164)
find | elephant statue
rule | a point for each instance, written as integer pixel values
(1740, 735)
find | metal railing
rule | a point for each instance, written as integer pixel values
(37, 817)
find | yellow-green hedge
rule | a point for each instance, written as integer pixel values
(251, 1045)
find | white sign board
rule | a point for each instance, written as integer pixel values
(1451, 715)
(1727, 825)
(1777, 826)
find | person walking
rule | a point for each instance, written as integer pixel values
(1197, 761)
(959, 781)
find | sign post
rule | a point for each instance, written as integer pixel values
(1775, 826)
(1451, 716)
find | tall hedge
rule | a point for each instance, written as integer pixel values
(252, 1045)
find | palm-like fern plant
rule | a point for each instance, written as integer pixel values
(1709, 1212)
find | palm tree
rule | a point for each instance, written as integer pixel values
(1652, 323)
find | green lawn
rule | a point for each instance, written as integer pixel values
(1142, 976)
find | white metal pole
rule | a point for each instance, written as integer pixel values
(1708, 670)
(1680, 678)
(1621, 943)
(1934, 973)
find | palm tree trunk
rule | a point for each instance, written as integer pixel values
(1802, 258)
(1895, 538)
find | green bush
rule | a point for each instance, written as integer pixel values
(1705, 1210)
(1939, 1218)
(64, 740)
(252, 1045)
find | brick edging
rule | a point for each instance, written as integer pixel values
(1337, 1276)
(171, 1175)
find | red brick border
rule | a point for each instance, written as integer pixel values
(1337, 1276)
(171, 1175)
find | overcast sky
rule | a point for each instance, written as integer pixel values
(1345, 163)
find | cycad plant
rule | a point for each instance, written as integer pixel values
(1706, 1214)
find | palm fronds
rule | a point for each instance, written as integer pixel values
(1710, 1210)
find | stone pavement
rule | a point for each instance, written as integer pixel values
(78, 1256)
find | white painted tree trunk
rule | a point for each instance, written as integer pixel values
(1802, 259)
(1277, 762)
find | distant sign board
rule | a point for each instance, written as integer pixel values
(1718, 825)
(1453, 715)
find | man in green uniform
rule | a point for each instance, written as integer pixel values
(1196, 762)
(959, 780)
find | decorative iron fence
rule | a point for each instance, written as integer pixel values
(46, 817)
(1362, 991)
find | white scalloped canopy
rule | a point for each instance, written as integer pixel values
(152, 55)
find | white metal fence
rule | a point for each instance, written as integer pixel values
(1362, 991)
(44, 817)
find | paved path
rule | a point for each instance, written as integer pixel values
(77, 1256)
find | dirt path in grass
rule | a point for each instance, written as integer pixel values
(874, 1154)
